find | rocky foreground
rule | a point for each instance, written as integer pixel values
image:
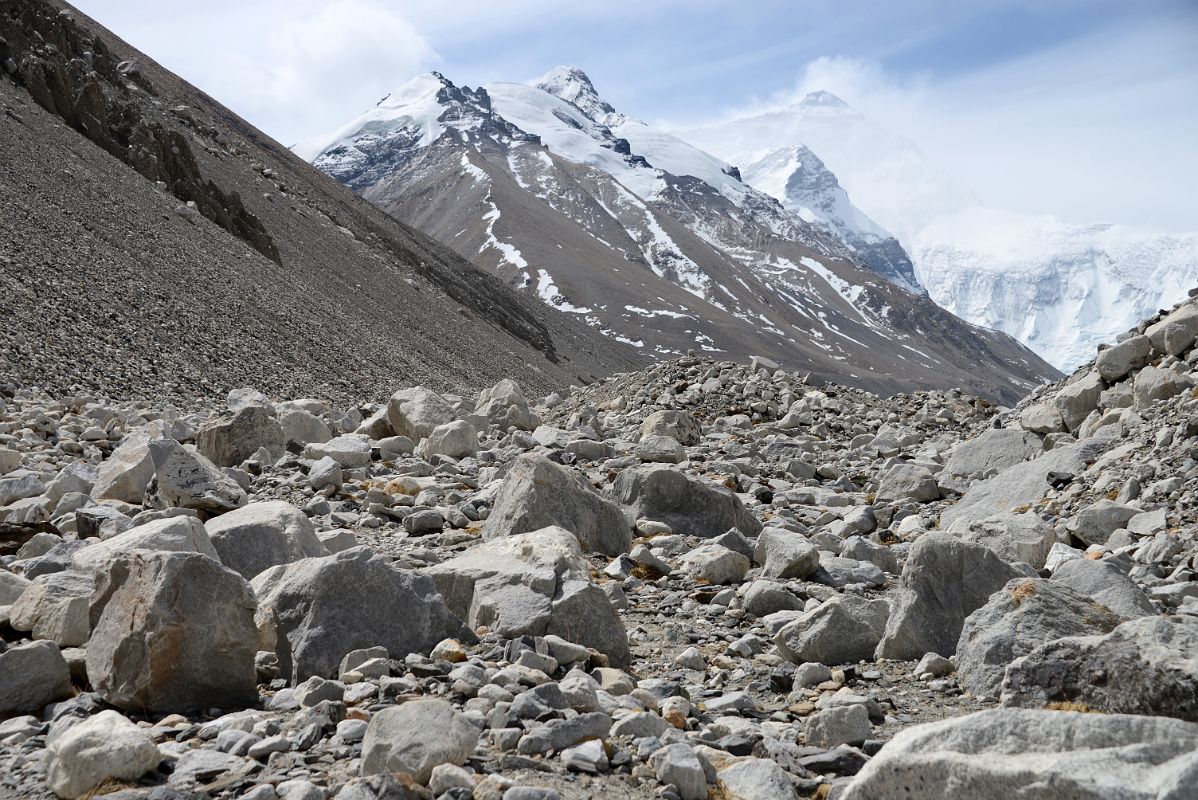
(700, 580)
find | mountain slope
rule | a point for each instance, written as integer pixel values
(277, 276)
(569, 200)
(1061, 288)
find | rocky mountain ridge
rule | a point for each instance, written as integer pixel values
(647, 239)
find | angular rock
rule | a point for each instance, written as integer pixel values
(912, 482)
(689, 505)
(171, 632)
(1023, 615)
(992, 451)
(1155, 383)
(1013, 537)
(1106, 584)
(55, 607)
(660, 450)
(1144, 666)
(785, 554)
(1096, 522)
(350, 450)
(534, 583)
(101, 748)
(844, 629)
(1004, 753)
(1116, 361)
(417, 411)
(837, 725)
(227, 441)
(943, 582)
(182, 534)
(314, 611)
(1175, 333)
(32, 675)
(755, 779)
(1041, 418)
(261, 535)
(677, 764)
(714, 564)
(189, 480)
(681, 426)
(303, 427)
(415, 738)
(1075, 400)
(536, 493)
(457, 439)
(504, 405)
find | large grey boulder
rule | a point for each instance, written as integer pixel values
(992, 451)
(182, 534)
(504, 405)
(229, 440)
(908, 482)
(755, 779)
(126, 473)
(314, 611)
(55, 607)
(1157, 383)
(417, 411)
(1104, 583)
(1013, 537)
(1095, 523)
(101, 748)
(1018, 618)
(457, 439)
(19, 485)
(171, 632)
(11, 587)
(32, 675)
(844, 629)
(1017, 486)
(681, 426)
(532, 583)
(1007, 753)
(688, 504)
(189, 480)
(1144, 666)
(302, 426)
(537, 493)
(1075, 400)
(785, 554)
(1174, 334)
(1115, 362)
(261, 535)
(416, 737)
(943, 582)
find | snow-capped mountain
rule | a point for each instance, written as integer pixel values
(648, 238)
(1058, 287)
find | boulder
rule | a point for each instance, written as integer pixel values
(1020, 617)
(1103, 582)
(416, 737)
(1076, 399)
(189, 480)
(992, 451)
(755, 779)
(1005, 753)
(1116, 361)
(349, 450)
(19, 485)
(314, 611)
(261, 535)
(536, 493)
(715, 564)
(325, 472)
(126, 473)
(1013, 537)
(1144, 666)
(681, 426)
(1155, 383)
(172, 632)
(534, 583)
(1018, 486)
(842, 630)
(504, 405)
(303, 427)
(655, 449)
(457, 439)
(908, 482)
(785, 554)
(689, 505)
(417, 411)
(182, 534)
(677, 765)
(11, 587)
(55, 607)
(229, 440)
(32, 675)
(1041, 418)
(765, 597)
(1096, 522)
(106, 747)
(1174, 334)
(837, 725)
(943, 582)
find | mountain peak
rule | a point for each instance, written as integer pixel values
(574, 86)
(822, 99)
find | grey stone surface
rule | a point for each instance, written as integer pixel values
(261, 535)
(844, 629)
(415, 738)
(688, 504)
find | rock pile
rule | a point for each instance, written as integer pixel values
(698, 580)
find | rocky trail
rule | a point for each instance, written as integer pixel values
(699, 580)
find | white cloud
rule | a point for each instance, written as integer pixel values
(1098, 129)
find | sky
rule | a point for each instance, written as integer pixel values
(1084, 109)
